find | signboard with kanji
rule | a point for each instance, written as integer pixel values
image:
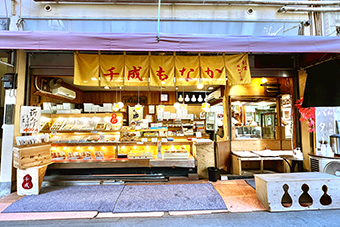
(30, 119)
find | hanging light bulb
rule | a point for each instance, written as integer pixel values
(193, 99)
(120, 105)
(187, 99)
(206, 106)
(180, 98)
(115, 107)
(200, 99)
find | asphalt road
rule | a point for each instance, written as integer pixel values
(327, 218)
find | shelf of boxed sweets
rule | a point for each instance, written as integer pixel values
(129, 154)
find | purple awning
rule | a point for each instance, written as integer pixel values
(37, 40)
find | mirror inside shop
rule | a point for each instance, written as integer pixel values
(258, 118)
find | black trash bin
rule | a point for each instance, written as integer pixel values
(213, 174)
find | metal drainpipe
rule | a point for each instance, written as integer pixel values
(206, 2)
(159, 18)
(293, 9)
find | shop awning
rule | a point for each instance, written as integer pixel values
(38, 40)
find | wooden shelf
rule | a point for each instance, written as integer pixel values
(101, 115)
(81, 131)
(54, 96)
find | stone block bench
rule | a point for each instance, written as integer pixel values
(298, 191)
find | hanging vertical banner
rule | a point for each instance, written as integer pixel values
(238, 71)
(162, 70)
(212, 70)
(86, 69)
(111, 70)
(136, 70)
(187, 70)
(30, 119)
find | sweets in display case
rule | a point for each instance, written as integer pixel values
(74, 155)
(86, 155)
(58, 155)
(98, 155)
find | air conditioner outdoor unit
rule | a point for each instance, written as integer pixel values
(64, 92)
(325, 165)
(214, 95)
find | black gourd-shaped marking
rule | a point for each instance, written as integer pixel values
(286, 200)
(325, 198)
(305, 200)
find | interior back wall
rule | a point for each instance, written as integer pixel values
(153, 97)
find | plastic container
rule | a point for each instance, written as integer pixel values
(213, 174)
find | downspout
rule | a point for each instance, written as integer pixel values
(159, 18)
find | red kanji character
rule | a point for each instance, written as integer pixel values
(210, 72)
(134, 74)
(161, 74)
(111, 73)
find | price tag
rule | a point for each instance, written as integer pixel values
(94, 132)
(144, 140)
(164, 140)
(154, 140)
(198, 134)
(138, 127)
(140, 143)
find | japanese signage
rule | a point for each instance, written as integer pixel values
(135, 99)
(325, 124)
(212, 70)
(162, 70)
(187, 70)
(111, 70)
(238, 71)
(135, 70)
(30, 119)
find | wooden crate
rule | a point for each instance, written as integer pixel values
(29, 180)
(28, 156)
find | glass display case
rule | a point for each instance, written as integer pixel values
(246, 132)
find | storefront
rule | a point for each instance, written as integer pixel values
(81, 144)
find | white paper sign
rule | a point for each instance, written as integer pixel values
(30, 119)
(153, 139)
(144, 139)
(198, 134)
(164, 140)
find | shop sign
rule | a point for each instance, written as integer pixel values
(135, 100)
(30, 119)
(134, 70)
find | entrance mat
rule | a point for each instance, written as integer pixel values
(100, 198)
(251, 183)
(169, 197)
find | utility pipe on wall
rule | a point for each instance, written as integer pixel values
(221, 2)
(292, 9)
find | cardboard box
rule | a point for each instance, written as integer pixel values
(28, 156)
(68, 106)
(88, 107)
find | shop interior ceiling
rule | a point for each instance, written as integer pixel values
(60, 64)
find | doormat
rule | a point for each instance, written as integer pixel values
(100, 198)
(251, 183)
(169, 197)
